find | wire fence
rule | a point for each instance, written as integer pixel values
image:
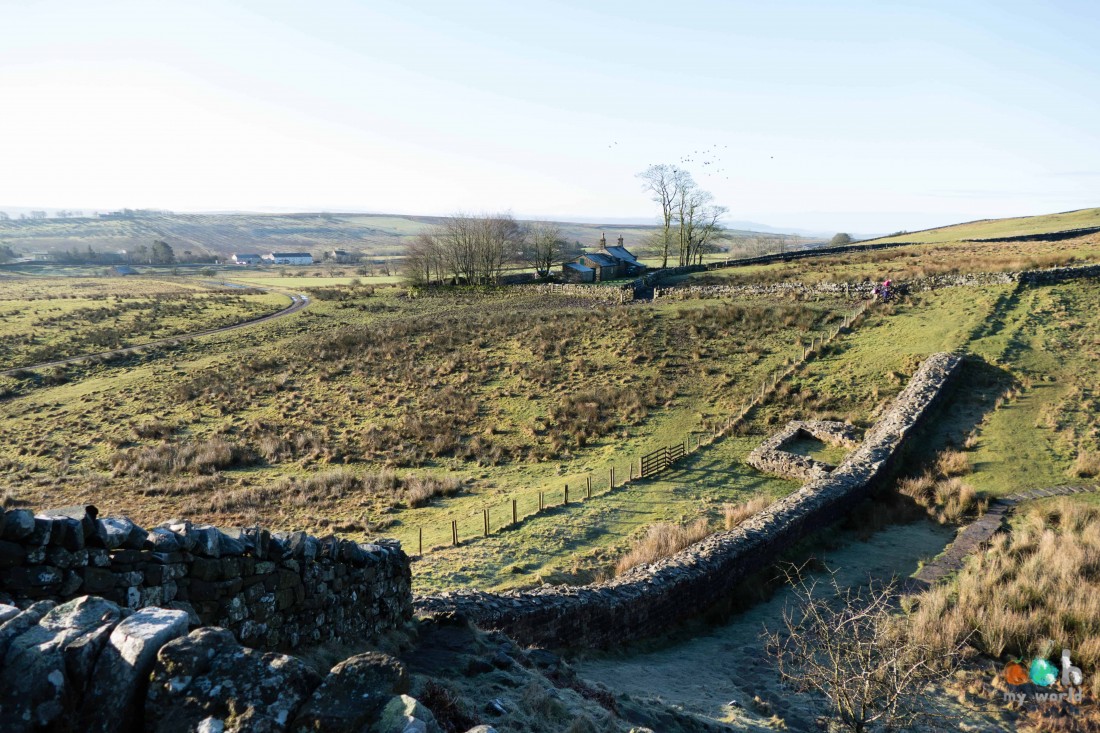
(508, 513)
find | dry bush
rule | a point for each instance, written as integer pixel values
(941, 492)
(952, 463)
(419, 490)
(153, 430)
(1040, 581)
(662, 540)
(854, 648)
(169, 459)
(1087, 464)
(734, 514)
(449, 712)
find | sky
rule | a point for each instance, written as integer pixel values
(841, 116)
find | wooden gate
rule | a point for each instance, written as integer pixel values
(660, 459)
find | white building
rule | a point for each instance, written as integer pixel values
(246, 259)
(289, 258)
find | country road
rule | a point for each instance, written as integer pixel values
(298, 302)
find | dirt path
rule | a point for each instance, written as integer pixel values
(298, 302)
(728, 663)
(975, 535)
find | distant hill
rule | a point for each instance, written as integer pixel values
(997, 228)
(376, 235)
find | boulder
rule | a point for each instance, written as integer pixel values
(7, 612)
(165, 540)
(113, 532)
(207, 681)
(85, 514)
(405, 714)
(34, 686)
(353, 694)
(20, 623)
(18, 524)
(124, 666)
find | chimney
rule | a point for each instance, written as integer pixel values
(620, 240)
(603, 241)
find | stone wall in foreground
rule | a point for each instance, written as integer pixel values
(272, 590)
(93, 666)
(650, 599)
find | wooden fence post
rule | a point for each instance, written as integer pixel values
(631, 469)
(515, 515)
(566, 495)
(454, 532)
(589, 477)
(542, 502)
(421, 532)
(486, 511)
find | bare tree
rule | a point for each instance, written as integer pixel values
(545, 247)
(699, 224)
(464, 249)
(666, 184)
(856, 649)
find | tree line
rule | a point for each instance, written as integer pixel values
(466, 249)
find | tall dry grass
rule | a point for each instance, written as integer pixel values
(662, 540)
(734, 514)
(1087, 464)
(945, 496)
(1040, 581)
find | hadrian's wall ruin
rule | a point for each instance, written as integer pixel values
(272, 590)
(650, 599)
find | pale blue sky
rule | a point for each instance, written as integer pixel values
(861, 116)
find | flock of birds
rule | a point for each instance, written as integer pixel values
(708, 157)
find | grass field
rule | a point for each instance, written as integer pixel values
(990, 228)
(48, 319)
(906, 263)
(371, 413)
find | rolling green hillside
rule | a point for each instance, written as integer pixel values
(990, 228)
(376, 235)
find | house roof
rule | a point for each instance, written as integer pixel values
(621, 253)
(578, 267)
(246, 256)
(601, 259)
(291, 254)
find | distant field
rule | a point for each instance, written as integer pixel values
(989, 228)
(55, 318)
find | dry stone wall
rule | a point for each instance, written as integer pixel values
(272, 590)
(861, 290)
(650, 599)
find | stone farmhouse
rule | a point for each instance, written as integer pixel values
(611, 263)
(246, 259)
